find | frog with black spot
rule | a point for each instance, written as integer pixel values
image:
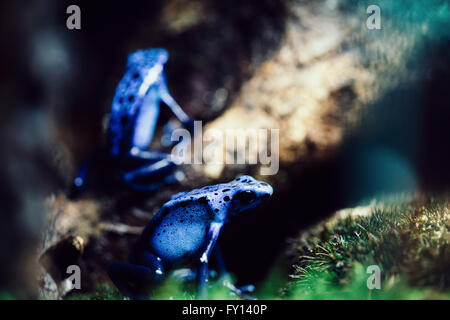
(185, 231)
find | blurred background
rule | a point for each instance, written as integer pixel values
(362, 113)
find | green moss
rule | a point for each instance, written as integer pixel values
(169, 289)
(5, 295)
(409, 242)
(104, 291)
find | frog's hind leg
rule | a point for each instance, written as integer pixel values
(134, 280)
(155, 169)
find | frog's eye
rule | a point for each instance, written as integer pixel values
(246, 197)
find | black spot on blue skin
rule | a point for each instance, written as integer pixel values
(216, 210)
(136, 75)
(184, 204)
(120, 99)
(203, 200)
(225, 190)
(164, 230)
(181, 221)
(131, 98)
(124, 119)
(226, 198)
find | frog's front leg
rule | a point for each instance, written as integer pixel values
(167, 98)
(134, 280)
(186, 122)
(225, 278)
(203, 272)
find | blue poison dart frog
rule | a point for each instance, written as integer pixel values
(132, 123)
(184, 233)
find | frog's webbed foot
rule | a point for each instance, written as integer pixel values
(189, 275)
(249, 288)
(242, 292)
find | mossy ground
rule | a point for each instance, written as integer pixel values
(408, 241)
(169, 289)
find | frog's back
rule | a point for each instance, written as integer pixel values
(128, 97)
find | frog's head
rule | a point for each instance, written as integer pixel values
(249, 193)
(147, 58)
